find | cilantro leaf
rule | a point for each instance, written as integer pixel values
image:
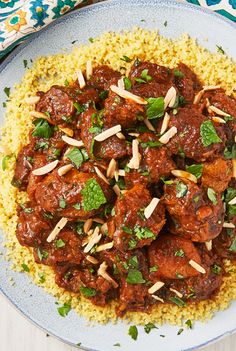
(208, 134)
(64, 309)
(143, 233)
(179, 302)
(62, 203)
(216, 269)
(88, 292)
(230, 152)
(25, 267)
(7, 91)
(155, 107)
(195, 169)
(126, 58)
(233, 246)
(42, 254)
(93, 196)
(127, 83)
(179, 253)
(133, 332)
(148, 327)
(135, 277)
(133, 262)
(189, 324)
(181, 189)
(153, 269)
(42, 129)
(178, 73)
(60, 243)
(76, 157)
(180, 331)
(151, 144)
(5, 161)
(132, 243)
(220, 49)
(78, 108)
(212, 195)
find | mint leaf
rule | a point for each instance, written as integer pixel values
(148, 327)
(42, 129)
(179, 253)
(64, 309)
(155, 107)
(208, 134)
(133, 332)
(25, 267)
(127, 83)
(143, 233)
(178, 73)
(93, 196)
(233, 246)
(126, 58)
(195, 169)
(88, 292)
(135, 277)
(60, 243)
(7, 91)
(179, 302)
(76, 157)
(212, 196)
(181, 190)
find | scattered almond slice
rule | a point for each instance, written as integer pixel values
(183, 174)
(165, 123)
(228, 225)
(103, 273)
(108, 133)
(170, 98)
(232, 202)
(121, 84)
(98, 220)
(92, 259)
(120, 136)
(116, 175)
(32, 100)
(87, 225)
(45, 169)
(177, 293)
(116, 189)
(157, 298)
(211, 87)
(155, 287)
(81, 79)
(59, 226)
(121, 172)
(104, 228)
(197, 266)
(136, 135)
(64, 169)
(164, 139)
(198, 97)
(218, 119)
(67, 131)
(93, 240)
(101, 175)
(151, 207)
(218, 111)
(71, 141)
(127, 95)
(136, 156)
(111, 168)
(89, 69)
(149, 125)
(106, 246)
(38, 114)
(209, 245)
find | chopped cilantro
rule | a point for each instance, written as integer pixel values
(25, 63)
(41, 277)
(148, 327)
(25, 267)
(153, 269)
(151, 144)
(93, 196)
(230, 152)
(127, 83)
(195, 169)
(103, 95)
(26, 209)
(62, 203)
(212, 195)
(78, 108)
(60, 243)
(137, 62)
(179, 302)
(165, 23)
(233, 246)
(5, 160)
(166, 181)
(135, 277)
(140, 213)
(127, 230)
(133, 262)
(208, 134)
(77, 206)
(78, 344)
(88, 292)
(76, 157)
(178, 275)
(145, 77)
(196, 198)
(178, 73)
(42, 254)
(181, 189)
(220, 49)
(133, 332)
(91, 40)
(117, 344)
(179, 253)
(125, 265)
(180, 331)
(95, 130)
(4, 104)
(41, 145)
(126, 58)
(7, 91)
(189, 324)
(42, 129)
(64, 309)
(132, 243)
(66, 83)
(216, 269)
(155, 107)
(143, 233)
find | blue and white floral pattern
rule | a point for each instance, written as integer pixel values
(19, 18)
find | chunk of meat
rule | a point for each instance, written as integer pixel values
(103, 77)
(217, 174)
(225, 243)
(151, 89)
(157, 73)
(193, 215)
(133, 230)
(187, 82)
(188, 138)
(171, 255)
(23, 167)
(59, 195)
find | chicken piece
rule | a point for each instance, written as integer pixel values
(187, 82)
(64, 195)
(148, 71)
(121, 111)
(33, 226)
(217, 174)
(188, 139)
(192, 213)
(103, 77)
(171, 255)
(133, 230)
(112, 147)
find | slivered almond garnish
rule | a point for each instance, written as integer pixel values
(151, 207)
(116, 189)
(177, 293)
(64, 169)
(116, 175)
(45, 169)
(136, 156)
(121, 172)
(197, 266)
(165, 123)
(71, 141)
(183, 174)
(67, 131)
(218, 111)
(120, 136)
(121, 84)
(228, 225)
(164, 139)
(87, 225)
(101, 175)
(92, 259)
(234, 167)
(198, 97)
(108, 133)
(98, 220)
(170, 97)
(157, 298)
(232, 202)
(81, 79)
(127, 95)
(59, 226)
(211, 87)
(136, 135)
(93, 240)
(218, 119)
(31, 100)
(103, 273)
(208, 245)
(38, 114)
(149, 125)
(89, 69)
(155, 287)
(111, 168)
(106, 246)
(104, 228)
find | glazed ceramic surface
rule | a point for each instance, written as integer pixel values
(33, 301)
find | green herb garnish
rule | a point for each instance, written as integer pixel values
(135, 277)
(42, 129)
(25, 267)
(220, 49)
(189, 324)
(153, 269)
(180, 331)
(212, 196)
(93, 196)
(208, 134)
(77, 206)
(132, 243)
(155, 107)
(127, 83)
(64, 309)
(179, 302)
(178, 73)
(117, 344)
(62, 203)
(7, 91)
(60, 243)
(5, 160)
(181, 190)
(179, 253)
(233, 246)
(195, 169)
(126, 58)
(42, 254)
(216, 269)
(151, 144)
(133, 332)
(148, 327)
(88, 292)
(41, 277)
(143, 233)
(76, 157)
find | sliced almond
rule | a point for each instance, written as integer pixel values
(228, 225)
(165, 123)
(67, 131)
(136, 156)
(89, 69)
(218, 119)
(164, 139)
(183, 174)
(151, 207)
(116, 189)
(87, 225)
(108, 133)
(101, 175)
(38, 114)
(106, 246)
(121, 172)
(157, 298)
(170, 97)
(127, 95)
(92, 259)
(81, 79)
(120, 136)
(111, 168)
(136, 135)
(218, 111)
(32, 100)
(197, 266)
(71, 141)
(64, 169)
(211, 87)
(232, 202)
(209, 245)
(177, 293)
(93, 240)
(198, 97)
(103, 273)
(121, 84)
(116, 175)
(149, 125)
(45, 169)
(98, 220)
(155, 287)
(104, 228)
(59, 226)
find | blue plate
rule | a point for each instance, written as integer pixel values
(33, 301)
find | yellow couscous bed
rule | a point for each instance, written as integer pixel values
(107, 49)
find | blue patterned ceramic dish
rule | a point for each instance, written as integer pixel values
(115, 15)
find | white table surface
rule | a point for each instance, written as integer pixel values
(17, 333)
